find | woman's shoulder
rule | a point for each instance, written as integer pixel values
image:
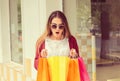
(72, 38)
(41, 40)
(40, 43)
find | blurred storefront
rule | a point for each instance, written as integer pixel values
(23, 21)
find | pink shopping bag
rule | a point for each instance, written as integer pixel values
(83, 71)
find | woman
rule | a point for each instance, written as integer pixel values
(57, 39)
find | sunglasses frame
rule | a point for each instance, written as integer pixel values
(55, 26)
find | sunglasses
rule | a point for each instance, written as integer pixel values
(54, 26)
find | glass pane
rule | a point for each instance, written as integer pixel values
(83, 16)
(16, 31)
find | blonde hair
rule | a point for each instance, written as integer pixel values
(48, 32)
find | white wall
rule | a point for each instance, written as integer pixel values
(1, 58)
(42, 15)
(5, 38)
(31, 29)
(70, 11)
(52, 5)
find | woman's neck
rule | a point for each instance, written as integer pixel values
(56, 38)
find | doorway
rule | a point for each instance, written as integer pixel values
(108, 47)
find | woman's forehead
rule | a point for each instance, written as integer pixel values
(56, 20)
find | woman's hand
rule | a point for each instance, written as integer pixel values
(44, 53)
(73, 53)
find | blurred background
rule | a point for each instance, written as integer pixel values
(94, 23)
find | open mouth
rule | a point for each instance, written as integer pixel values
(57, 32)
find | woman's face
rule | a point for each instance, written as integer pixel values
(57, 28)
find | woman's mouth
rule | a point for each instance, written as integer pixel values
(57, 32)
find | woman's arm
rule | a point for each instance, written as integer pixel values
(73, 44)
(38, 55)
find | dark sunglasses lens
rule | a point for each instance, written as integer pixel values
(61, 27)
(54, 26)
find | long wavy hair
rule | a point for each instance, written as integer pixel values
(48, 31)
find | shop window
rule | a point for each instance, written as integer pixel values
(16, 31)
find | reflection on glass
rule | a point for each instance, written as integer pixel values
(16, 31)
(83, 14)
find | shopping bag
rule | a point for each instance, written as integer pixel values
(43, 71)
(83, 71)
(73, 71)
(58, 68)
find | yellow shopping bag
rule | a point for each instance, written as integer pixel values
(58, 68)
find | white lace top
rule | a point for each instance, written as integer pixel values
(57, 47)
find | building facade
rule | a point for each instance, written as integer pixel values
(23, 21)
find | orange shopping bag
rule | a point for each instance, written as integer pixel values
(58, 68)
(73, 72)
(43, 72)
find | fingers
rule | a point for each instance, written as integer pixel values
(73, 53)
(44, 53)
